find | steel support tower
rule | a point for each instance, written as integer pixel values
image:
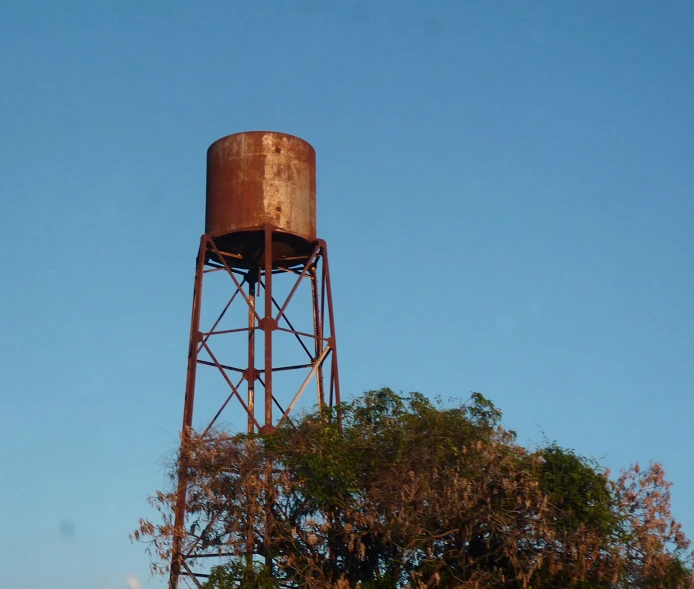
(260, 239)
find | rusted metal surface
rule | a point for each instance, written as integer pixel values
(250, 375)
(256, 179)
(260, 229)
(269, 324)
(181, 492)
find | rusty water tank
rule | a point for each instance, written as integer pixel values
(261, 178)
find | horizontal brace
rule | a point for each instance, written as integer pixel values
(237, 256)
(311, 335)
(299, 260)
(222, 331)
(258, 370)
(192, 574)
(293, 270)
(211, 555)
(207, 363)
(217, 267)
(295, 367)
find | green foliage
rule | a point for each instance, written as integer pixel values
(579, 491)
(239, 574)
(393, 491)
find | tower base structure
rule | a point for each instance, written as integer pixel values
(268, 276)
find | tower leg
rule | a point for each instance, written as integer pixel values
(251, 375)
(335, 399)
(193, 350)
(268, 326)
(318, 330)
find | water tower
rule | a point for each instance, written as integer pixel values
(260, 237)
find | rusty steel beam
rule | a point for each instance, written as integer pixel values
(182, 487)
(335, 377)
(251, 372)
(318, 341)
(269, 325)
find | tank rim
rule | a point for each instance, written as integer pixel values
(280, 133)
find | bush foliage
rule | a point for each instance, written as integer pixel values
(406, 493)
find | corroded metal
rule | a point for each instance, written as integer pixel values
(260, 234)
(256, 179)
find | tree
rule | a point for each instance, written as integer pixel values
(408, 493)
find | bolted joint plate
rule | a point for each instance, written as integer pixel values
(267, 430)
(268, 324)
(250, 374)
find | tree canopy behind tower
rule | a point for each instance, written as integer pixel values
(406, 493)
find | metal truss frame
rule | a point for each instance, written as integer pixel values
(252, 282)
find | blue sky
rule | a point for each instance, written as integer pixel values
(505, 187)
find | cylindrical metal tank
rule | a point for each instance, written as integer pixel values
(257, 178)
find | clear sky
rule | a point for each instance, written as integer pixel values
(505, 186)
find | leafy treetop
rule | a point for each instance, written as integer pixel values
(400, 492)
